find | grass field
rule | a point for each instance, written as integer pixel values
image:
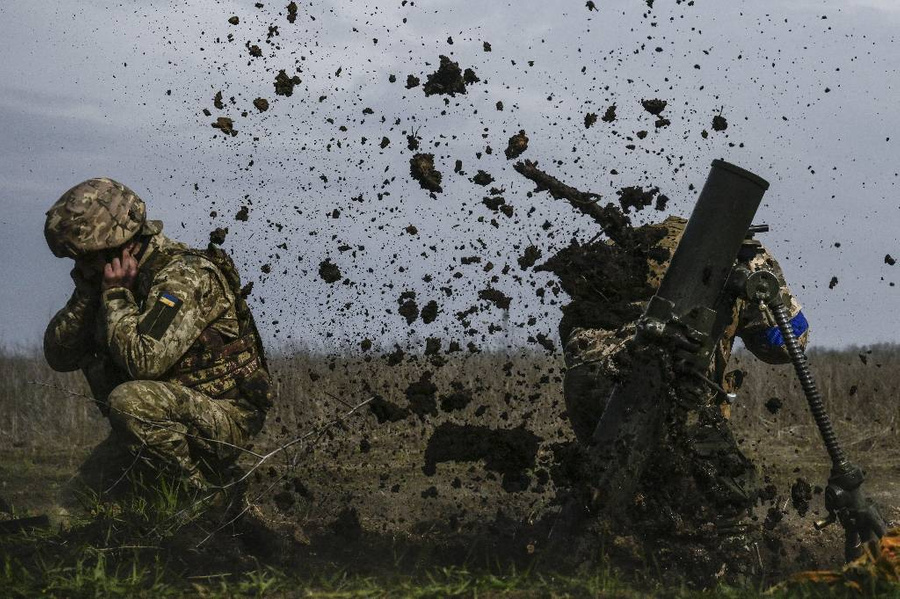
(860, 384)
(47, 429)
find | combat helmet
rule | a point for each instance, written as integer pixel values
(96, 214)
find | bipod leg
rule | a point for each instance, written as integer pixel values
(844, 497)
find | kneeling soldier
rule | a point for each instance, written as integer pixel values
(162, 332)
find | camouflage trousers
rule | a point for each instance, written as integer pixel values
(177, 430)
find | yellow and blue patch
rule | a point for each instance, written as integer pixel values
(169, 299)
(160, 316)
(773, 338)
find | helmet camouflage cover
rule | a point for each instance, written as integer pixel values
(96, 214)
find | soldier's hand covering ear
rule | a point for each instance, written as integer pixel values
(90, 269)
(120, 272)
(86, 285)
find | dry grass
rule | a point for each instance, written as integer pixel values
(508, 390)
(35, 417)
(525, 387)
(860, 393)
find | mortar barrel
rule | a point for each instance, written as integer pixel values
(712, 238)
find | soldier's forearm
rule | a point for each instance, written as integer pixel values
(68, 336)
(141, 355)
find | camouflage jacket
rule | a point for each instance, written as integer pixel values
(754, 325)
(180, 324)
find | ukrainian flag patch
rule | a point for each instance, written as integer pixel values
(157, 320)
(169, 299)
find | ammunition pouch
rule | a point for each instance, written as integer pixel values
(232, 370)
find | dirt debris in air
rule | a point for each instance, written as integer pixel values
(429, 312)
(655, 106)
(217, 236)
(719, 123)
(422, 396)
(544, 341)
(458, 399)
(408, 308)
(496, 297)
(618, 277)
(801, 495)
(531, 255)
(449, 79)
(284, 85)
(517, 145)
(509, 452)
(387, 411)
(498, 204)
(329, 271)
(421, 167)
(636, 198)
(773, 517)
(225, 125)
(482, 178)
(610, 115)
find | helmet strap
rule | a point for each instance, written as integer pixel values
(145, 241)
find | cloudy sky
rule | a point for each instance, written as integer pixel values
(91, 88)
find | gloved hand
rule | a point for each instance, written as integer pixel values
(685, 346)
(85, 286)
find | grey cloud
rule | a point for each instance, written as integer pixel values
(161, 144)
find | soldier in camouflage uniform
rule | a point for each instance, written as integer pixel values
(162, 333)
(591, 353)
(701, 475)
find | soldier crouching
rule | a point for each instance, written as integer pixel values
(592, 352)
(713, 469)
(162, 333)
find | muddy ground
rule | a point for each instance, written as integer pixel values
(379, 498)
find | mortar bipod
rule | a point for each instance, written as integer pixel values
(844, 498)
